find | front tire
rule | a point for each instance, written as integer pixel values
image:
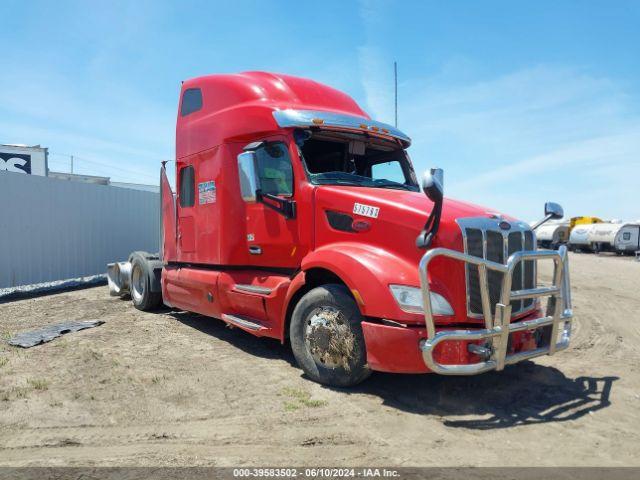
(326, 337)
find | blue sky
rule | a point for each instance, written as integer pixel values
(519, 102)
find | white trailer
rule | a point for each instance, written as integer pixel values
(579, 238)
(616, 237)
(552, 235)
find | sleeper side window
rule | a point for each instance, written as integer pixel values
(626, 236)
(274, 169)
(191, 101)
(187, 186)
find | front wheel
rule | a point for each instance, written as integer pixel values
(326, 337)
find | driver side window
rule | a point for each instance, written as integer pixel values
(274, 169)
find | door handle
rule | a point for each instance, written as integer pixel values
(255, 250)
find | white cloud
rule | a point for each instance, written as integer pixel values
(537, 134)
(375, 66)
(378, 88)
(512, 141)
(106, 123)
(593, 154)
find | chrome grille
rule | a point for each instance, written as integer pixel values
(483, 238)
(515, 244)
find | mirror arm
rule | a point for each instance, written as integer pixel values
(426, 236)
(432, 186)
(282, 205)
(541, 222)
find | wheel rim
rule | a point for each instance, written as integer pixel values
(328, 338)
(137, 283)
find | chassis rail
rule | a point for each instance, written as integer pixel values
(498, 328)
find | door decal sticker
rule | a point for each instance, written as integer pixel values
(207, 192)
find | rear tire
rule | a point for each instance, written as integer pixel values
(140, 286)
(326, 337)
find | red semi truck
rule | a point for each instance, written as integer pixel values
(300, 218)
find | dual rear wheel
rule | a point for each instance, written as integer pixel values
(140, 285)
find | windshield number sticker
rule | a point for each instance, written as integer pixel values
(365, 210)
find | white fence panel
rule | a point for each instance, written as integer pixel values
(55, 229)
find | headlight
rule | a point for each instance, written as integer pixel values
(410, 300)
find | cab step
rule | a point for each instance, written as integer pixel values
(246, 323)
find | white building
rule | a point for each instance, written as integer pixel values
(34, 161)
(24, 159)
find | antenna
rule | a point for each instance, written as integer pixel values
(395, 86)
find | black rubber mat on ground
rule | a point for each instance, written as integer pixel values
(48, 333)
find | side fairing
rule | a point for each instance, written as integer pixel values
(168, 205)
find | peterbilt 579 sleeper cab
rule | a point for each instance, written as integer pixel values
(298, 217)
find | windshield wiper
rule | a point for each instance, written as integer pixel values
(344, 178)
(338, 181)
(390, 184)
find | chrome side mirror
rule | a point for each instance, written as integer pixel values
(247, 172)
(551, 211)
(433, 184)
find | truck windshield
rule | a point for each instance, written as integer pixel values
(346, 159)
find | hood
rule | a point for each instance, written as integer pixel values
(400, 213)
(409, 201)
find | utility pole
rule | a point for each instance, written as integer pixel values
(71, 156)
(395, 85)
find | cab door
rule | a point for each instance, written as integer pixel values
(273, 237)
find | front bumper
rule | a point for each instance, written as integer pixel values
(498, 328)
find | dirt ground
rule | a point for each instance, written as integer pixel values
(174, 388)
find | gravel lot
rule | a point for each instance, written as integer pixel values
(172, 388)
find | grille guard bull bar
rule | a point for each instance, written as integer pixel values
(498, 328)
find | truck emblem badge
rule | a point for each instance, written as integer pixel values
(365, 210)
(360, 225)
(250, 237)
(504, 225)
